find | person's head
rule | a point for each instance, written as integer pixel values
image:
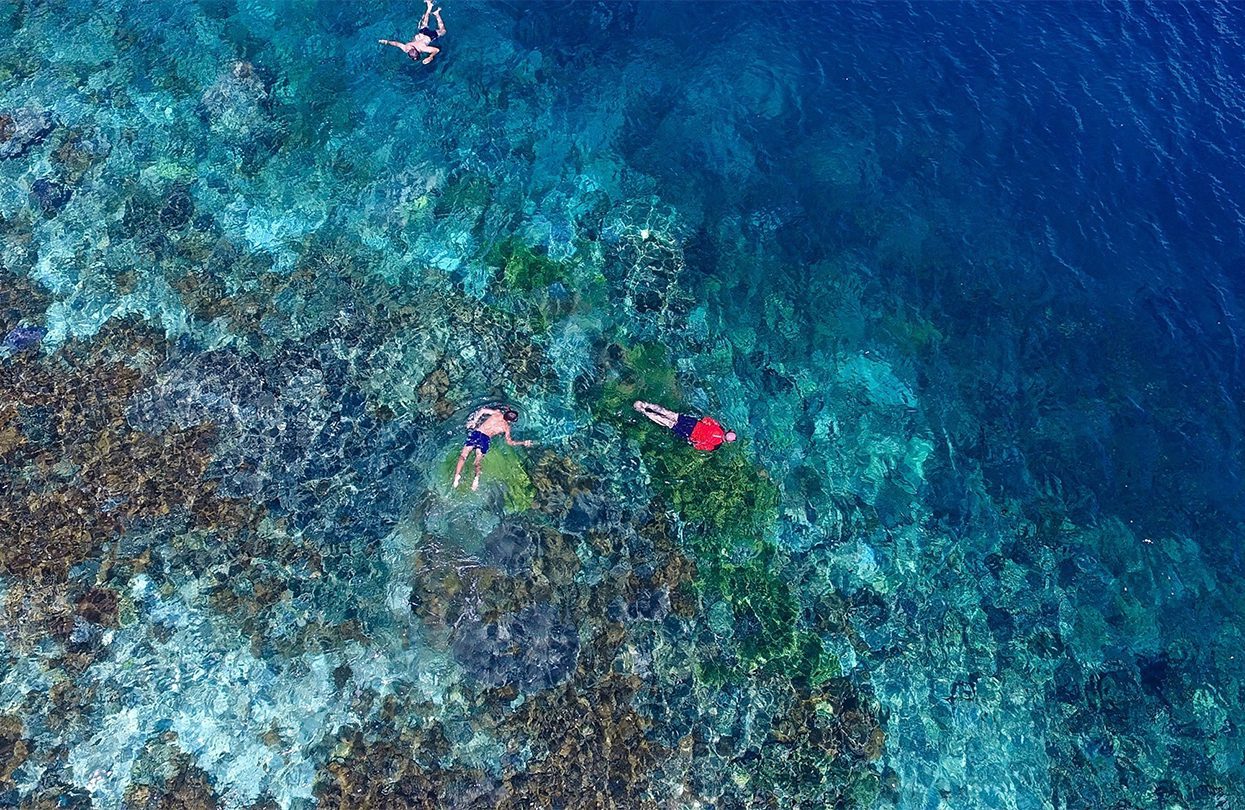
(731, 436)
(510, 414)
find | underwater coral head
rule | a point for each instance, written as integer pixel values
(525, 269)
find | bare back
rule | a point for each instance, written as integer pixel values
(493, 423)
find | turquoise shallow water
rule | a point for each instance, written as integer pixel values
(966, 279)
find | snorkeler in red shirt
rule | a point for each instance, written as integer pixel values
(701, 432)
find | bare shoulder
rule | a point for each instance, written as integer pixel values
(481, 415)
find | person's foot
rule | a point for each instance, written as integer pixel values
(457, 478)
(475, 483)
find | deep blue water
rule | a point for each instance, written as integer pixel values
(968, 279)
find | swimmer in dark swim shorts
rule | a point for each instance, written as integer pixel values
(422, 43)
(477, 440)
(483, 426)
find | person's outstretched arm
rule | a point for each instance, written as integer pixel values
(513, 443)
(392, 42)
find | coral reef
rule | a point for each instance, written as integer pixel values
(23, 129)
(399, 770)
(80, 472)
(590, 749)
(14, 749)
(979, 542)
(78, 152)
(188, 789)
(21, 302)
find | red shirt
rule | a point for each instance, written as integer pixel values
(707, 434)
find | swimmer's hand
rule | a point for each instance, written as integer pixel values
(527, 442)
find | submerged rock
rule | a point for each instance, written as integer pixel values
(238, 107)
(23, 129)
(178, 208)
(531, 650)
(511, 547)
(79, 152)
(23, 337)
(14, 749)
(50, 195)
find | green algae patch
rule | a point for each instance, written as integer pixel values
(729, 507)
(501, 467)
(767, 635)
(915, 335)
(731, 503)
(468, 194)
(643, 371)
(653, 376)
(523, 269)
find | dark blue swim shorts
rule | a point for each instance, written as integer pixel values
(684, 426)
(478, 440)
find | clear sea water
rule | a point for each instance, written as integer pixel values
(968, 279)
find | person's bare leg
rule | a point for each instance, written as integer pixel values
(475, 483)
(458, 471)
(662, 416)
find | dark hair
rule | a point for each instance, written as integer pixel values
(510, 415)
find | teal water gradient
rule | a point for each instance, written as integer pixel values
(966, 279)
